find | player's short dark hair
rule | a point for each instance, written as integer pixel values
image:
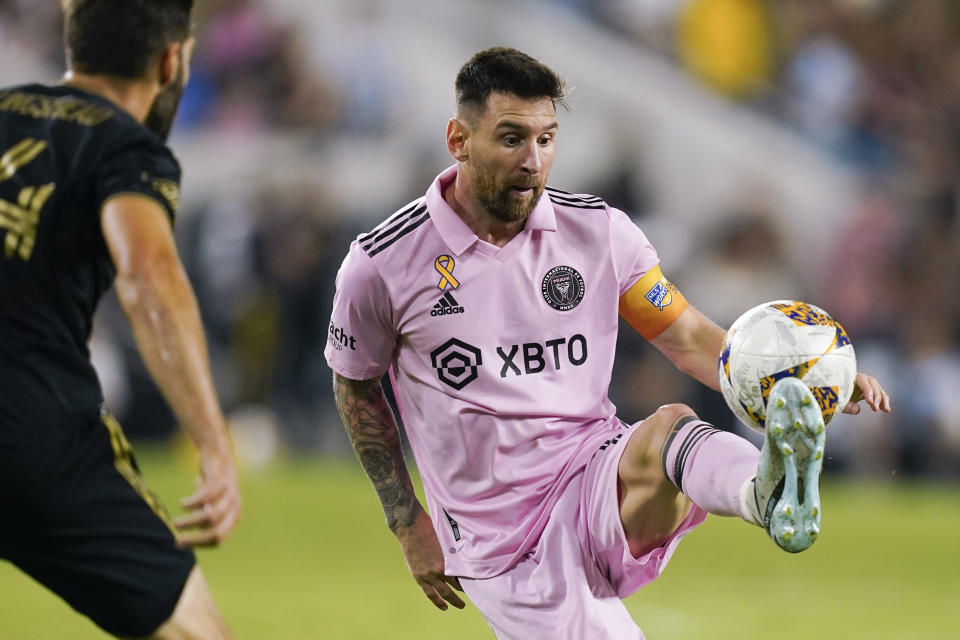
(122, 38)
(505, 70)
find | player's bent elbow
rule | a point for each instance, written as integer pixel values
(687, 363)
(144, 285)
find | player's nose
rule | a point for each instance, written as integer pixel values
(532, 158)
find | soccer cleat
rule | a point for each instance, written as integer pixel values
(787, 486)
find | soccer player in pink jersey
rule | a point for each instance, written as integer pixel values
(493, 303)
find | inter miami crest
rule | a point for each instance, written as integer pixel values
(562, 288)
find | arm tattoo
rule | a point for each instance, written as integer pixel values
(373, 433)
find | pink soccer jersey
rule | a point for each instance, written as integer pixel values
(500, 357)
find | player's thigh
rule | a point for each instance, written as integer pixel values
(196, 616)
(651, 507)
(86, 526)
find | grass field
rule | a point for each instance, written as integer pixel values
(312, 559)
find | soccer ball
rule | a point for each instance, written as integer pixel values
(785, 338)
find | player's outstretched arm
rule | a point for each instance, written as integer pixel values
(693, 343)
(158, 300)
(376, 440)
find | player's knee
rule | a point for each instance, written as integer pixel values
(670, 413)
(664, 419)
(641, 459)
(657, 428)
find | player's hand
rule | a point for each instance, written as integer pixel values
(424, 557)
(868, 389)
(214, 508)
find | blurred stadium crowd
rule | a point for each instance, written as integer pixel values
(873, 86)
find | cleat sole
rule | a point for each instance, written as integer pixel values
(794, 447)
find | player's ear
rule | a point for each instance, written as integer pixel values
(457, 135)
(170, 60)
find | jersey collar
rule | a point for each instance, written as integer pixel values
(455, 232)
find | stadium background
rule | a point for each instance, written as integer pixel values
(802, 149)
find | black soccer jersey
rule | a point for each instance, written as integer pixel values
(63, 153)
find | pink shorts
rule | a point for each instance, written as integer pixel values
(570, 585)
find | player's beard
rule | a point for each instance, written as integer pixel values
(163, 111)
(502, 202)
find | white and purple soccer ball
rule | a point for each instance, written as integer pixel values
(785, 338)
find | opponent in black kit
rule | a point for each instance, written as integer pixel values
(88, 194)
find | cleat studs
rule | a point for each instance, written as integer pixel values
(807, 401)
(816, 511)
(788, 534)
(786, 449)
(814, 531)
(798, 423)
(819, 429)
(780, 403)
(818, 454)
(777, 430)
(787, 510)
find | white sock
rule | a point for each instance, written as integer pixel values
(749, 509)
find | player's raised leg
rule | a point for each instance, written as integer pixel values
(672, 459)
(196, 616)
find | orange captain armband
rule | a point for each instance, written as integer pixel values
(652, 304)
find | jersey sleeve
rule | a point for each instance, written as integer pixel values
(648, 301)
(633, 255)
(361, 338)
(652, 304)
(142, 165)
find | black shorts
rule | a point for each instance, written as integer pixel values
(76, 516)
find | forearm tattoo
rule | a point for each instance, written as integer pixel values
(373, 433)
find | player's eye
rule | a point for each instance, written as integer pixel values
(545, 140)
(511, 140)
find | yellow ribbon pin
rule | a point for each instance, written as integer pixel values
(444, 266)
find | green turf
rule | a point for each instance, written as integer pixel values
(312, 559)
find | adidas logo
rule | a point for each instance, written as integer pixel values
(448, 305)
